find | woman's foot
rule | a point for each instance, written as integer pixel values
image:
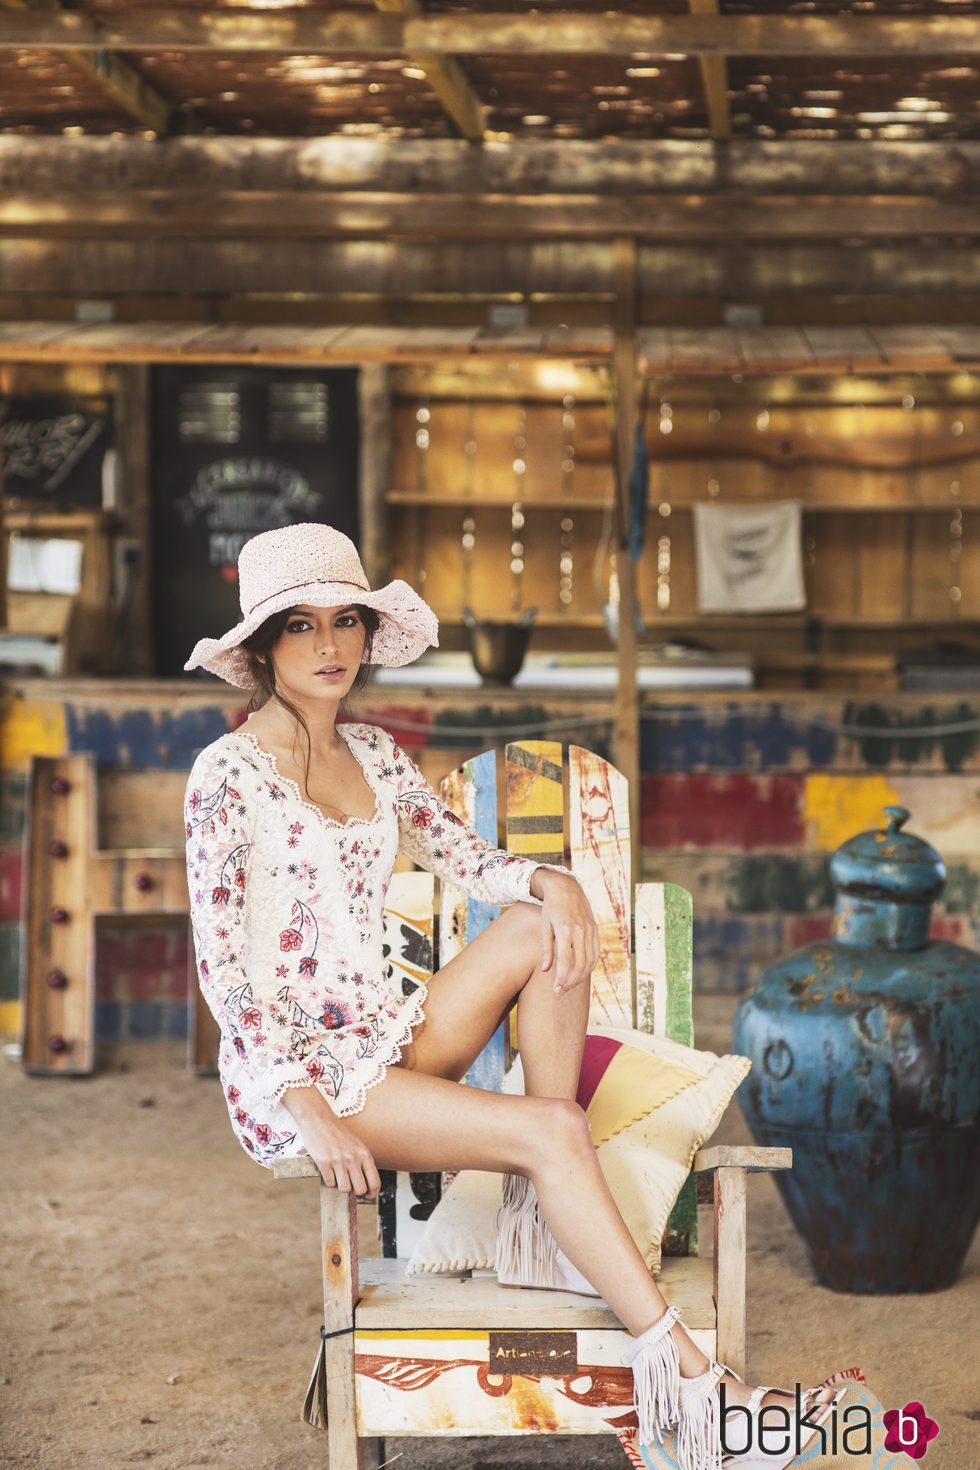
(737, 1392)
(709, 1438)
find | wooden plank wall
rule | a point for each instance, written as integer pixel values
(891, 521)
(743, 801)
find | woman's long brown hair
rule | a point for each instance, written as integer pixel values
(263, 672)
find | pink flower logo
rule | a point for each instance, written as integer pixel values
(422, 817)
(220, 897)
(233, 1095)
(263, 1133)
(290, 939)
(909, 1430)
(251, 1019)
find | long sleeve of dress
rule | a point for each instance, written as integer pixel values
(220, 813)
(437, 839)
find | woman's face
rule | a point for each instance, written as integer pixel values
(316, 642)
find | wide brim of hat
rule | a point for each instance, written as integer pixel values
(408, 627)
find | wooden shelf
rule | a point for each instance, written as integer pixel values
(494, 502)
(582, 502)
(20, 518)
(705, 622)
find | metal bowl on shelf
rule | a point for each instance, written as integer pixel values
(497, 648)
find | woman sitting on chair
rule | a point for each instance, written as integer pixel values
(293, 823)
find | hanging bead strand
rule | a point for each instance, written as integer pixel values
(468, 533)
(517, 511)
(565, 555)
(422, 416)
(664, 511)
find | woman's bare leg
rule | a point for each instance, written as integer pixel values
(415, 1122)
(471, 994)
(467, 1000)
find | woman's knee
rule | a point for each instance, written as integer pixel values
(562, 1129)
(522, 917)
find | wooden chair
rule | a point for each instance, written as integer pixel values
(460, 1355)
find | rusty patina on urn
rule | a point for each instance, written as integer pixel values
(866, 1062)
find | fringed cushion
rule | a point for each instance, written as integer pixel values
(651, 1104)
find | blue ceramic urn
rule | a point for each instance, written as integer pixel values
(865, 1054)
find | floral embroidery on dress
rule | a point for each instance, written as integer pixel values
(302, 987)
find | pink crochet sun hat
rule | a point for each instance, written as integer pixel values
(317, 565)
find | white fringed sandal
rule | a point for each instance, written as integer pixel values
(656, 1376)
(699, 1420)
(527, 1252)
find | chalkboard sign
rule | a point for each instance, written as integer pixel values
(236, 451)
(52, 449)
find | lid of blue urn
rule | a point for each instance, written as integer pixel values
(891, 865)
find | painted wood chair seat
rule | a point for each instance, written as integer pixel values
(460, 1355)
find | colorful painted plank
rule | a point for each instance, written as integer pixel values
(535, 802)
(471, 792)
(491, 1382)
(534, 810)
(664, 920)
(599, 833)
(664, 985)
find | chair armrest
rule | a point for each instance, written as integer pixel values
(741, 1156)
(295, 1169)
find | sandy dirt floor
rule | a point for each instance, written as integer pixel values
(160, 1293)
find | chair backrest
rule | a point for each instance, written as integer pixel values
(643, 978)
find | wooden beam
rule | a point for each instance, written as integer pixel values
(189, 342)
(315, 215)
(360, 33)
(446, 78)
(946, 168)
(823, 351)
(714, 80)
(117, 78)
(458, 309)
(340, 271)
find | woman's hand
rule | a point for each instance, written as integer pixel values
(569, 933)
(344, 1162)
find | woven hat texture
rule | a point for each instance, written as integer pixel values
(317, 565)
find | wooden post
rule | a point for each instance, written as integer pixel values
(3, 550)
(133, 442)
(374, 400)
(341, 1289)
(627, 732)
(729, 1266)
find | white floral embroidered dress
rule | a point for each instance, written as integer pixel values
(287, 914)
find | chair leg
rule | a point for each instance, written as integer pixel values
(338, 1233)
(729, 1266)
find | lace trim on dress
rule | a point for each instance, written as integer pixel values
(396, 1044)
(273, 765)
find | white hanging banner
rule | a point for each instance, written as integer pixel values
(749, 557)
